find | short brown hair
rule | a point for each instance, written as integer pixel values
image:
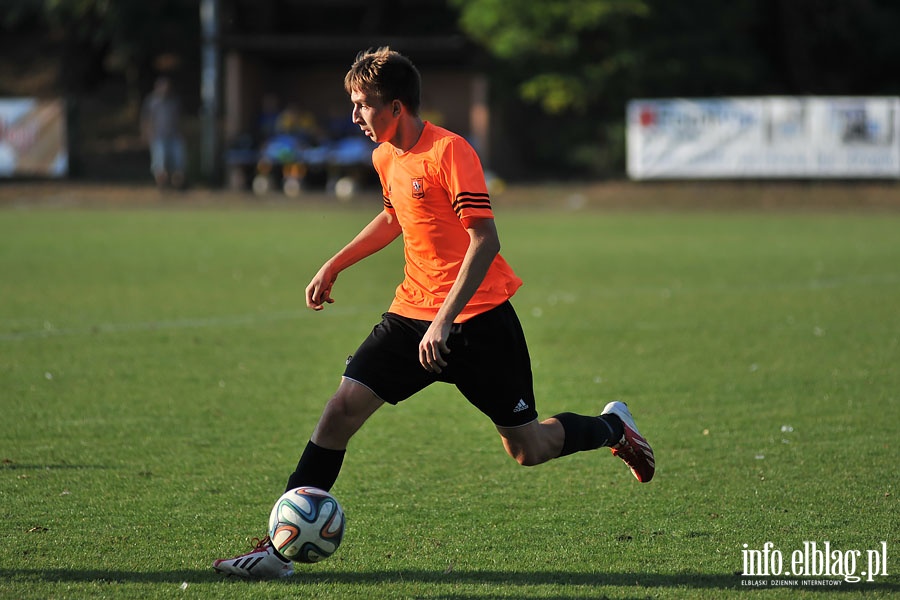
(388, 75)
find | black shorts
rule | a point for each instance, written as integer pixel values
(488, 363)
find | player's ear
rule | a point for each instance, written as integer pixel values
(397, 107)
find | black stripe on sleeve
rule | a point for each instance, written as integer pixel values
(471, 200)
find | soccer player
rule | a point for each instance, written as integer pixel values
(451, 319)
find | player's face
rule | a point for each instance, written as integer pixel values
(377, 119)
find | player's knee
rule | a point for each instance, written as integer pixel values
(337, 408)
(528, 460)
(336, 422)
(527, 456)
(344, 414)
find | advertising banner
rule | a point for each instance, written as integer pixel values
(33, 138)
(777, 137)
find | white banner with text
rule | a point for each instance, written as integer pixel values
(777, 137)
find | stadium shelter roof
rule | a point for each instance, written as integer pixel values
(299, 51)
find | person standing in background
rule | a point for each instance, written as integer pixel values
(161, 130)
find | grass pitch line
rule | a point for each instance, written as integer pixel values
(49, 331)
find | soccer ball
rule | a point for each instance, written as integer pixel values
(306, 525)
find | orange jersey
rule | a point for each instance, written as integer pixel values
(435, 190)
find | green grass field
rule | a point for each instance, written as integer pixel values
(159, 376)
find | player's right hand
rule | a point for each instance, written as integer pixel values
(318, 292)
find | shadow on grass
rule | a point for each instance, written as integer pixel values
(406, 576)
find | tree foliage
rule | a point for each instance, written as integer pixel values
(572, 50)
(97, 36)
(580, 61)
(558, 42)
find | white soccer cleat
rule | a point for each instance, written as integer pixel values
(260, 563)
(632, 448)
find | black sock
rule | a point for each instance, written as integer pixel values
(318, 467)
(588, 433)
(615, 425)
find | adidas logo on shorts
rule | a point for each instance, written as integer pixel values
(520, 406)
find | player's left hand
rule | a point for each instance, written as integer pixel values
(433, 348)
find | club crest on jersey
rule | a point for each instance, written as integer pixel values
(418, 187)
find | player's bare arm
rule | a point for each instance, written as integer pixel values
(484, 245)
(380, 232)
